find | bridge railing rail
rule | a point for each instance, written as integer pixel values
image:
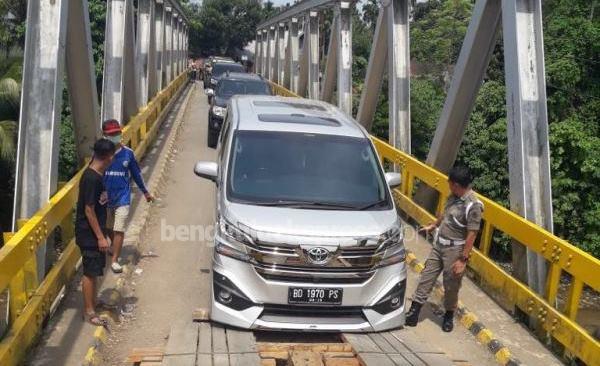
(29, 301)
(560, 322)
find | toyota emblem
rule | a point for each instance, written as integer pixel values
(318, 255)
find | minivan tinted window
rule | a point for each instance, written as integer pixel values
(310, 170)
(221, 68)
(228, 88)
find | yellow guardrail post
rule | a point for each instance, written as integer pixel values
(552, 283)
(23, 284)
(563, 256)
(30, 298)
(572, 305)
(486, 238)
(584, 269)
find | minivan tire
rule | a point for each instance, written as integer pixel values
(212, 138)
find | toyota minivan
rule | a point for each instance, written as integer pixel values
(307, 234)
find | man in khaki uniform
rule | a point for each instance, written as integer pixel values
(457, 229)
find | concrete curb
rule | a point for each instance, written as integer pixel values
(115, 295)
(470, 321)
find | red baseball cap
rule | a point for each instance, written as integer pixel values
(111, 127)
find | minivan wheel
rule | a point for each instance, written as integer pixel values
(212, 138)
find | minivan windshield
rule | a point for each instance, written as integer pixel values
(228, 88)
(221, 68)
(302, 170)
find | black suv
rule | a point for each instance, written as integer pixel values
(208, 65)
(220, 68)
(229, 85)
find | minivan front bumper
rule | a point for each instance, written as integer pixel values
(259, 303)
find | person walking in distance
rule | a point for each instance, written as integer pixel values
(90, 222)
(457, 227)
(116, 178)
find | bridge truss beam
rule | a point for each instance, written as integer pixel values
(58, 34)
(528, 143)
(280, 49)
(293, 71)
(530, 192)
(38, 142)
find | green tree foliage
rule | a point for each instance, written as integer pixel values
(572, 55)
(224, 26)
(9, 115)
(97, 12)
(12, 27)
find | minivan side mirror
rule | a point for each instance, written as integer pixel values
(393, 179)
(207, 170)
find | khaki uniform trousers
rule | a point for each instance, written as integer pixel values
(441, 259)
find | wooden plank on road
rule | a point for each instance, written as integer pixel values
(179, 360)
(382, 343)
(240, 341)
(183, 338)
(220, 359)
(305, 358)
(204, 339)
(244, 359)
(375, 359)
(361, 342)
(203, 359)
(399, 360)
(413, 360)
(219, 341)
(399, 347)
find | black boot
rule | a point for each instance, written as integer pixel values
(412, 316)
(448, 321)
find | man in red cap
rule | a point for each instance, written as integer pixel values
(116, 179)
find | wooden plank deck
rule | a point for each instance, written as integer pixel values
(208, 344)
(395, 348)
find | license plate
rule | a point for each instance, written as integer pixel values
(312, 295)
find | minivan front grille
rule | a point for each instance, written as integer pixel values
(292, 264)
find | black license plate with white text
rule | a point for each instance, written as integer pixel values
(314, 295)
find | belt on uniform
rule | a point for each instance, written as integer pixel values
(450, 242)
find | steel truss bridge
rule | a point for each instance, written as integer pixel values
(145, 68)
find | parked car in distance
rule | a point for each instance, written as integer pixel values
(227, 86)
(307, 234)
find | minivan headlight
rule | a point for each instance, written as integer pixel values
(393, 255)
(392, 247)
(231, 241)
(232, 232)
(219, 111)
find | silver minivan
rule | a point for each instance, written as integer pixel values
(307, 234)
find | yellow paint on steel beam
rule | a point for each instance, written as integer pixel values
(486, 238)
(19, 250)
(552, 283)
(25, 329)
(563, 255)
(572, 305)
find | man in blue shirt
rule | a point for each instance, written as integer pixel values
(116, 179)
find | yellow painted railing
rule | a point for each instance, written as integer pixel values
(560, 323)
(30, 301)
